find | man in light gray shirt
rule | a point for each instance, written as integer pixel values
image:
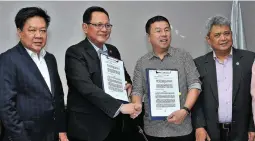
(177, 125)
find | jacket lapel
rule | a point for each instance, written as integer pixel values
(50, 66)
(237, 72)
(91, 51)
(32, 66)
(210, 69)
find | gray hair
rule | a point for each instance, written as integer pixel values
(217, 20)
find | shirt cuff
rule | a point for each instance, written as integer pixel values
(117, 112)
(195, 86)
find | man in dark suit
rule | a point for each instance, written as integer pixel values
(93, 115)
(223, 111)
(31, 94)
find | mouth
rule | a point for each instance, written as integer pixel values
(103, 35)
(163, 40)
(224, 44)
(37, 43)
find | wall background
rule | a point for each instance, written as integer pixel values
(128, 19)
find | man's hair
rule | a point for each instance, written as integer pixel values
(88, 13)
(218, 21)
(28, 12)
(153, 20)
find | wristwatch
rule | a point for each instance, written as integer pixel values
(186, 109)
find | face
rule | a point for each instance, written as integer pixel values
(34, 34)
(160, 35)
(220, 38)
(96, 34)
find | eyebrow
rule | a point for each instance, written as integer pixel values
(37, 27)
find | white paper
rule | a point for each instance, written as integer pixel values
(113, 77)
(164, 92)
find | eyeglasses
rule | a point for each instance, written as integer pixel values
(100, 26)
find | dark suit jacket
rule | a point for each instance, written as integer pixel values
(90, 109)
(205, 111)
(28, 109)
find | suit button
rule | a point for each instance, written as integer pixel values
(233, 122)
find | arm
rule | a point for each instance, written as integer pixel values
(252, 119)
(197, 116)
(138, 86)
(194, 86)
(60, 104)
(193, 82)
(198, 119)
(8, 93)
(78, 77)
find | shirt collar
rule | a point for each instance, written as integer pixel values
(97, 48)
(230, 54)
(169, 52)
(32, 54)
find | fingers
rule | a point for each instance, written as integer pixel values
(138, 110)
(208, 138)
(128, 87)
(251, 136)
(138, 107)
(63, 137)
(127, 108)
(171, 118)
(201, 135)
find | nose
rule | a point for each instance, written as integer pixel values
(38, 33)
(164, 33)
(104, 28)
(223, 37)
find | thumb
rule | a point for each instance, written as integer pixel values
(138, 107)
(208, 138)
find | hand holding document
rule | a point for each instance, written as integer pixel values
(163, 89)
(113, 77)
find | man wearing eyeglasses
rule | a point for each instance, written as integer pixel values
(93, 115)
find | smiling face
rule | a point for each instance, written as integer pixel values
(34, 34)
(160, 35)
(97, 35)
(220, 38)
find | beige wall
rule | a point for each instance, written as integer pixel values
(128, 33)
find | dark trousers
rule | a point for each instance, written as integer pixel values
(115, 134)
(225, 130)
(133, 128)
(189, 137)
(126, 129)
(1, 131)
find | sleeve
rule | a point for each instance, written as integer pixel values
(197, 114)
(78, 77)
(60, 104)
(8, 93)
(191, 72)
(138, 85)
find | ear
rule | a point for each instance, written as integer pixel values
(19, 32)
(207, 38)
(148, 37)
(85, 28)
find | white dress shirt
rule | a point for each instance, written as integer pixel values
(41, 64)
